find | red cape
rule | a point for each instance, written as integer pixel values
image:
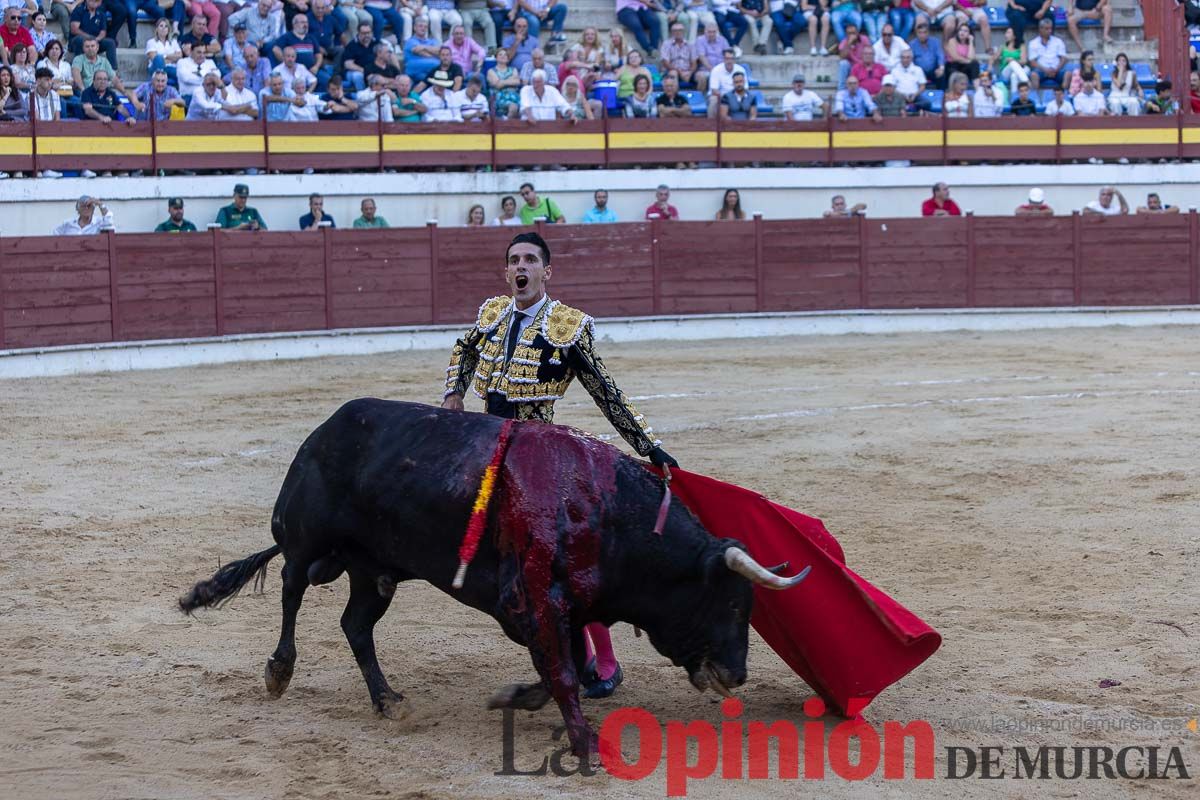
(847, 639)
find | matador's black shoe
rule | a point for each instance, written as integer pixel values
(599, 688)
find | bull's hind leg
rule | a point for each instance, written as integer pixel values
(282, 662)
(370, 597)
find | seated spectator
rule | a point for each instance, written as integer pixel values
(307, 106)
(960, 53)
(581, 106)
(190, 71)
(1104, 206)
(817, 16)
(339, 107)
(466, 53)
(508, 212)
(385, 63)
(408, 106)
(276, 99)
(207, 8)
(375, 102)
(788, 21)
(12, 34)
(542, 102)
(838, 210)
(239, 216)
(801, 104)
(436, 98)
(957, 102)
(241, 102)
(519, 44)
(291, 69)
(640, 104)
(206, 103)
(1036, 207)
(1079, 10)
(156, 97)
(1162, 102)
(854, 103)
(670, 102)
(86, 222)
(632, 67)
(536, 208)
(316, 214)
(100, 101)
(357, 54)
(591, 46)
(710, 50)
(731, 206)
(732, 24)
(258, 69)
(759, 22)
(850, 50)
(1047, 54)
(477, 13)
(889, 47)
(198, 36)
(46, 102)
(90, 20)
(13, 106)
(22, 67)
(874, 18)
(1060, 106)
(476, 218)
(739, 103)
(638, 18)
(471, 104)
(63, 81)
(890, 102)
(974, 12)
(940, 204)
(86, 65)
(1194, 93)
(1010, 63)
(680, 57)
(910, 79)
(937, 14)
(599, 213)
(40, 34)
(1125, 96)
(929, 56)
(504, 15)
(329, 28)
(369, 218)
(175, 222)
(421, 51)
(162, 49)
(572, 64)
(1023, 13)
(264, 24)
(1023, 105)
(720, 80)
(661, 208)
(389, 12)
(447, 66)
(988, 102)
(545, 12)
(307, 51)
(870, 74)
(1154, 205)
(505, 85)
(844, 14)
(1090, 102)
(1084, 72)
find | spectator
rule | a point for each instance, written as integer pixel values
(175, 222)
(1023, 13)
(86, 65)
(198, 36)
(12, 34)
(1078, 10)
(581, 106)
(538, 61)
(13, 107)
(1193, 94)
(1154, 205)
(679, 56)
(339, 107)
(542, 102)
(1060, 106)
(1104, 206)
(162, 49)
(86, 222)
(207, 102)
(573, 65)
(100, 101)
(519, 44)
(90, 20)
(1162, 102)
(22, 67)
(592, 47)
(670, 102)
(838, 210)
(291, 69)
(1084, 72)
(600, 212)
(854, 103)
(974, 12)
(759, 23)
(156, 94)
(731, 23)
(801, 104)
(874, 17)
(910, 79)
(276, 99)
(316, 214)
(940, 204)
(53, 60)
(306, 107)
(957, 102)
(639, 19)
(960, 53)
(843, 14)
(538, 207)
(436, 98)
(1046, 55)
(375, 102)
(1010, 63)
(190, 72)
(710, 49)
(1090, 102)
(544, 12)
(241, 102)
(668, 13)
(1023, 105)
(739, 103)
(421, 51)
(720, 80)
(731, 206)
(1036, 207)
(258, 69)
(505, 84)
(788, 20)
(889, 47)
(471, 104)
(465, 52)
(369, 218)
(383, 63)
(356, 55)
(890, 102)
(508, 212)
(46, 102)
(263, 25)
(870, 74)
(928, 55)
(629, 71)
(851, 51)
(329, 29)
(476, 217)
(38, 31)
(988, 102)
(475, 13)
(307, 52)
(447, 66)
(640, 104)
(1125, 96)
(817, 16)
(698, 14)
(239, 216)
(207, 9)
(233, 50)
(384, 12)
(661, 208)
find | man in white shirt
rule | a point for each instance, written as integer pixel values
(1105, 206)
(987, 102)
(369, 110)
(720, 80)
(310, 105)
(1046, 55)
(207, 103)
(541, 102)
(910, 79)
(1089, 102)
(87, 221)
(436, 98)
(240, 102)
(190, 71)
(291, 69)
(470, 105)
(1060, 106)
(889, 47)
(801, 104)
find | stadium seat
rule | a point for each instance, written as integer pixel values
(1071, 66)
(1105, 71)
(655, 77)
(996, 18)
(763, 107)
(1145, 76)
(751, 81)
(1043, 97)
(1060, 16)
(934, 98)
(697, 101)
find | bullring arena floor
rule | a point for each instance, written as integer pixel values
(1032, 495)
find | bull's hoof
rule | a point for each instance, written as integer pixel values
(391, 704)
(524, 696)
(277, 675)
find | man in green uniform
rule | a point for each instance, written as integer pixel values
(239, 216)
(175, 223)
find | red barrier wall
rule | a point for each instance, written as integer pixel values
(114, 287)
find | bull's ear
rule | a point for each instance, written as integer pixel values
(715, 567)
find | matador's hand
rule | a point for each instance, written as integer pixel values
(454, 402)
(660, 457)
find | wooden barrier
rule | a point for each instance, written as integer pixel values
(122, 287)
(1022, 138)
(647, 141)
(518, 143)
(16, 147)
(209, 145)
(774, 141)
(920, 139)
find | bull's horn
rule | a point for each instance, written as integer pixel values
(778, 568)
(739, 561)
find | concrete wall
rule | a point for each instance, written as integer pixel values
(33, 207)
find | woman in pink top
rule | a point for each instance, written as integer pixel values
(1085, 72)
(960, 53)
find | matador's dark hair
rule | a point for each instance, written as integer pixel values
(531, 238)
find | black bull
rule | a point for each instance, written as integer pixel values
(383, 491)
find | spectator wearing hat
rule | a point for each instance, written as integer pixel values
(316, 214)
(801, 104)
(175, 223)
(436, 98)
(1036, 207)
(369, 218)
(233, 49)
(85, 221)
(940, 204)
(237, 215)
(890, 102)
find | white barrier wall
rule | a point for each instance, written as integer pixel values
(33, 207)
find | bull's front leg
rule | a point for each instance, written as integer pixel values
(554, 658)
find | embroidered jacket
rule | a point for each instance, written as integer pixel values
(556, 348)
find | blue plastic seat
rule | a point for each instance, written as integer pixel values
(697, 101)
(1145, 76)
(763, 106)
(934, 98)
(655, 77)
(1043, 97)
(996, 18)
(1106, 71)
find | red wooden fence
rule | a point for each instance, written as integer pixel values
(125, 287)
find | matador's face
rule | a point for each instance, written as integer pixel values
(526, 273)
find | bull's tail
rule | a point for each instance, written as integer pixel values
(225, 584)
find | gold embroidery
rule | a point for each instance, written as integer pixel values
(564, 325)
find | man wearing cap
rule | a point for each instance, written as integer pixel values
(1036, 207)
(239, 216)
(890, 102)
(520, 356)
(175, 223)
(86, 221)
(801, 104)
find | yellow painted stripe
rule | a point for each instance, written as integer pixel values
(624, 140)
(1002, 138)
(252, 143)
(851, 139)
(779, 139)
(324, 144)
(1119, 136)
(92, 146)
(550, 141)
(429, 142)
(1191, 135)
(16, 146)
